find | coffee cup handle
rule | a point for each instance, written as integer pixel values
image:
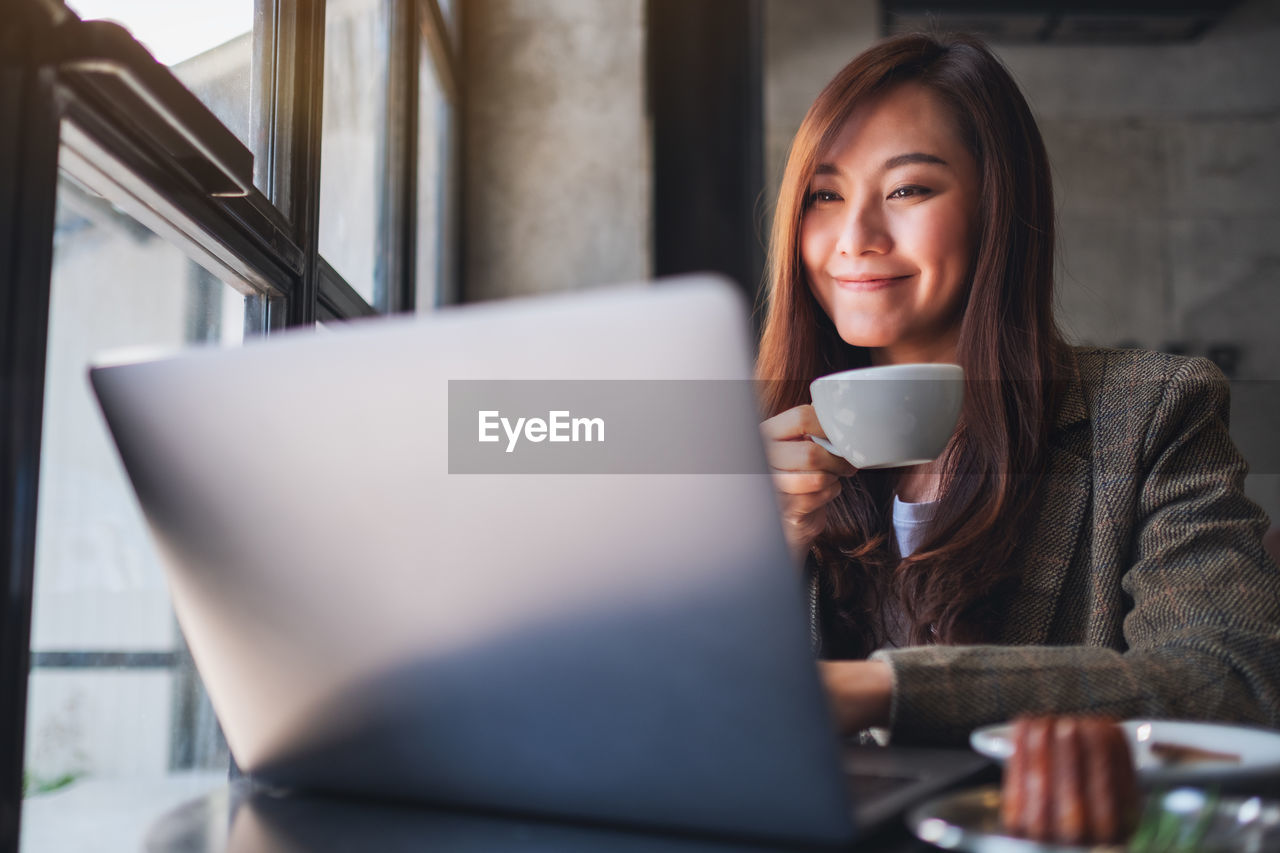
(824, 444)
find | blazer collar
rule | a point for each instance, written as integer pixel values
(1054, 537)
(1071, 406)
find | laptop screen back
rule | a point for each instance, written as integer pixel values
(377, 605)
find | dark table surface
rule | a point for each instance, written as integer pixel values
(242, 819)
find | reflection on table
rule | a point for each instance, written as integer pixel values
(242, 819)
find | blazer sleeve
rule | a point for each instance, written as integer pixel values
(1203, 632)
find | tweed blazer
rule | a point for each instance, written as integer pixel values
(1145, 590)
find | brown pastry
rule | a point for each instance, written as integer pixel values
(1013, 801)
(1038, 785)
(1070, 777)
(1111, 785)
(1070, 780)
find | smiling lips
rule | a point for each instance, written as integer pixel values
(868, 283)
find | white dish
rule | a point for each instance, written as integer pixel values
(1258, 750)
(969, 820)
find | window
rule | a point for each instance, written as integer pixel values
(355, 142)
(190, 203)
(112, 693)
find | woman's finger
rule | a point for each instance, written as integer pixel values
(804, 455)
(794, 423)
(810, 502)
(802, 482)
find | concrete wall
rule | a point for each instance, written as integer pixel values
(805, 43)
(557, 176)
(1168, 185)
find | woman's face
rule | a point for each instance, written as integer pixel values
(889, 227)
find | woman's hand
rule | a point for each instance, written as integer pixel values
(861, 692)
(806, 476)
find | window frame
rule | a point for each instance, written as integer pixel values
(52, 68)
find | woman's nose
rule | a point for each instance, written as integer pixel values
(863, 231)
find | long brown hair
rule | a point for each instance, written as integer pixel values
(951, 588)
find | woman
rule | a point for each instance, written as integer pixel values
(1083, 544)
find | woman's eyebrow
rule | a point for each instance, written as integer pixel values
(913, 157)
(891, 163)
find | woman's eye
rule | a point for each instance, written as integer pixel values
(909, 191)
(817, 196)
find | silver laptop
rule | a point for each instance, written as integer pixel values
(520, 556)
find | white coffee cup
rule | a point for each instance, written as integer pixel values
(890, 416)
